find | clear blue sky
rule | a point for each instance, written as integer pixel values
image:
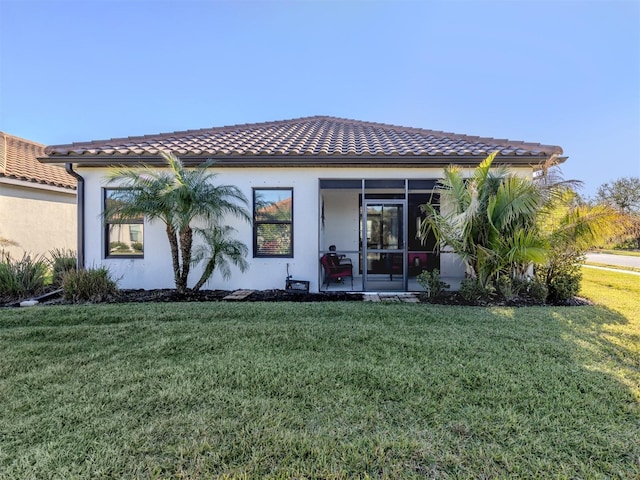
(556, 72)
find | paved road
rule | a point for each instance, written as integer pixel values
(609, 259)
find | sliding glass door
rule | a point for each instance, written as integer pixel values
(383, 232)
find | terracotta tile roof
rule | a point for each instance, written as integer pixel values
(309, 137)
(18, 160)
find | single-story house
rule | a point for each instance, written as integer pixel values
(351, 185)
(37, 202)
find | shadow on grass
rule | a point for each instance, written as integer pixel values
(612, 335)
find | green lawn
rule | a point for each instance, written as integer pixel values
(632, 253)
(616, 267)
(338, 390)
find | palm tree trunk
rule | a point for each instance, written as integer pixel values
(173, 243)
(208, 270)
(186, 242)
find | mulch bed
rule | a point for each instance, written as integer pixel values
(170, 295)
(454, 298)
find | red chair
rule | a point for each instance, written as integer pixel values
(334, 270)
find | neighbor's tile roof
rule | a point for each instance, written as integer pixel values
(18, 160)
(318, 136)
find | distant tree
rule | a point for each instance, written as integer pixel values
(624, 195)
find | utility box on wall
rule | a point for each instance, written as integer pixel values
(297, 286)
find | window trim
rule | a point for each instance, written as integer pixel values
(256, 223)
(107, 225)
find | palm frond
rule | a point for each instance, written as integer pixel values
(482, 171)
(525, 247)
(453, 190)
(517, 200)
(219, 251)
(588, 226)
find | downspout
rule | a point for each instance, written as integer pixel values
(80, 209)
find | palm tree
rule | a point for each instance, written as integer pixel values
(570, 228)
(489, 220)
(500, 223)
(178, 197)
(219, 251)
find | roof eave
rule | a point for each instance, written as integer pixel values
(38, 184)
(275, 161)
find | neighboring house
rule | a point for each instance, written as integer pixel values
(37, 202)
(312, 182)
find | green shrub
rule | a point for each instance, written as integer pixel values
(537, 290)
(473, 292)
(627, 244)
(431, 283)
(22, 278)
(520, 284)
(562, 275)
(564, 286)
(88, 285)
(137, 246)
(512, 288)
(507, 287)
(62, 261)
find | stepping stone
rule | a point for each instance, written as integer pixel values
(239, 295)
(393, 299)
(389, 297)
(411, 299)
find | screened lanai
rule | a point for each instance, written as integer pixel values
(374, 224)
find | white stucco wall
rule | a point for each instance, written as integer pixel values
(37, 218)
(154, 270)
